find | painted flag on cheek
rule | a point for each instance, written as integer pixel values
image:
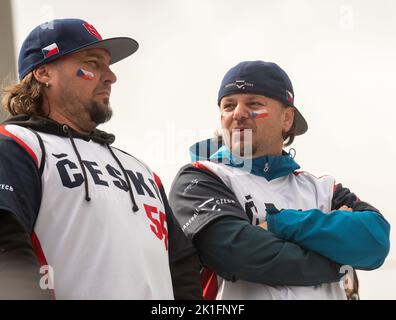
(50, 50)
(226, 114)
(84, 74)
(259, 114)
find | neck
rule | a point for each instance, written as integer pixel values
(75, 122)
(273, 149)
(71, 124)
(257, 155)
(264, 154)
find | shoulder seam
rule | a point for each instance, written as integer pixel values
(42, 147)
(21, 143)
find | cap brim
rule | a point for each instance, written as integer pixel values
(301, 123)
(119, 48)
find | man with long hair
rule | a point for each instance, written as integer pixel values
(79, 219)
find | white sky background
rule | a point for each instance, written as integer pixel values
(340, 56)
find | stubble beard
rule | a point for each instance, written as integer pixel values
(89, 114)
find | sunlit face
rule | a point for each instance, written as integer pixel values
(254, 122)
(81, 86)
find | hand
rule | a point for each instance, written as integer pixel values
(345, 208)
(263, 225)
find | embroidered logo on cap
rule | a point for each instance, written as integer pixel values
(50, 50)
(240, 84)
(91, 29)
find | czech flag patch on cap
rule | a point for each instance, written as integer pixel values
(50, 50)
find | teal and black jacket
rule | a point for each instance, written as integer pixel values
(290, 253)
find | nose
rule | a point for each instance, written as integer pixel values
(109, 76)
(240, 112)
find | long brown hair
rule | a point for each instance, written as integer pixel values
(288, 137)
(25, 97)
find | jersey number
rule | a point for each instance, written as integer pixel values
(158, 218)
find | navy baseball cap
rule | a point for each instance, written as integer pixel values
(59, 37)
(263, 78)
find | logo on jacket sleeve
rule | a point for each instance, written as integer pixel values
(6, 187)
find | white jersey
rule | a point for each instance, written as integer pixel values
(97, 249)
(294, 191)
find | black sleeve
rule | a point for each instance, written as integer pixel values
(198, 197)
(20, 182)
(179, 245)
(183, 259)
(20, 197)
(184, 263)
(19, 268)
(343, 196)
(213, 219)
(186, 278)
(236, 250)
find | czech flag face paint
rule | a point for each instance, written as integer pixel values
(258, 114)
(84, 74)
(263, 113)
(226, 114)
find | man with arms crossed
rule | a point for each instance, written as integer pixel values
(267, 230)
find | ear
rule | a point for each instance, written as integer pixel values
(42, 74)
(288, 118)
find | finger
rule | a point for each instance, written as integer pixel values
(263, 225)
(345, 208)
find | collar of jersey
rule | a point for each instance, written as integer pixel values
(50, 126)
(269, 167)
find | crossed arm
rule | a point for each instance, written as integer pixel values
(354, 234)
(235, 249)
(226, 242)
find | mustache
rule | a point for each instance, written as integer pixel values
(102, 89)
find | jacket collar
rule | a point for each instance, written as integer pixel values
(47, 125)
(269, 167)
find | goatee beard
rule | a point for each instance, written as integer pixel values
(100, 115)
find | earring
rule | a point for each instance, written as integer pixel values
(47, 85)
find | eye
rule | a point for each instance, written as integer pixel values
(93, 63)
(256, 104)
(228, 106)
